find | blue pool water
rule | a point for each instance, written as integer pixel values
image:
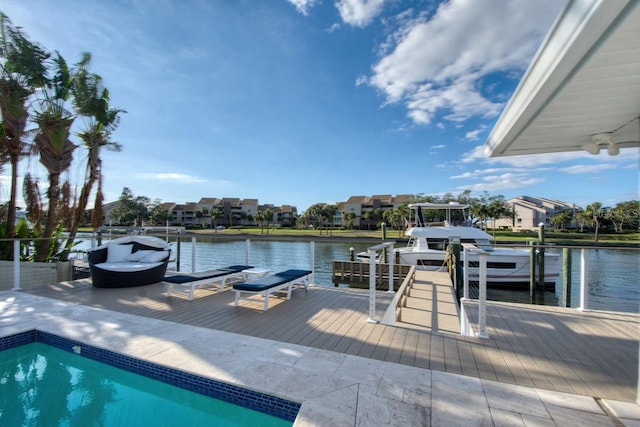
(42, 385)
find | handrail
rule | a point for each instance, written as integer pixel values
(372, 278)
(393, 312)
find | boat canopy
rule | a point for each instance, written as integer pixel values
(447, 232)
(418, 216)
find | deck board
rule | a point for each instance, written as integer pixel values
(590, 353)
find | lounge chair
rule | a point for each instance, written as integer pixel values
(269, 284)
(129, 261)
(222, 276)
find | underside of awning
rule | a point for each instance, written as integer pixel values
(582, 89)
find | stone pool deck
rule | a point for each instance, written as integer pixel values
(334, 388)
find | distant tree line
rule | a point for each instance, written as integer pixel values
(484, 211)
(623, 216)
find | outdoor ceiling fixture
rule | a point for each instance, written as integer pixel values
(600, 139)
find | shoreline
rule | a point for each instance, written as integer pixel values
(376, 240)
(307, 236)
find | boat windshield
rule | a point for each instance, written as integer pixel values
(484, 244)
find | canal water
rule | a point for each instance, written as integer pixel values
(614, 274)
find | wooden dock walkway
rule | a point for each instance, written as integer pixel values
(588, 353)
(430, 304)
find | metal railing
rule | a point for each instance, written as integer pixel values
(535, 292)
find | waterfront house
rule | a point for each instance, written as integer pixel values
(531, 211)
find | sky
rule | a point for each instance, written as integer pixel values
(313, 101)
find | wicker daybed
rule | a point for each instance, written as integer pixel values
(129, 261)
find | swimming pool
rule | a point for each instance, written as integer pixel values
(42, 382)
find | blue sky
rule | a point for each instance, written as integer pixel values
(305, 101)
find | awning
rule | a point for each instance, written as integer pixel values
(582, 89)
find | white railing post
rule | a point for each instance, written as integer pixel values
(16, 265)
(465, 273)
(312, 252)
(372, 286)
(247, 248)
(482, 301)
(193, 254)
(390, 260)
(584, 279)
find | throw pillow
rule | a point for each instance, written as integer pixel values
(117, 253)
(138, 255)
(156, 256)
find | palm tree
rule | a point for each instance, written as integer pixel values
(497, 209)
(22, 72)
(259, 217)
(367, 217)
(216, 214)
(561, 218)
(53, 144)
(584, 219)
(317, 210)
(91, 100)
(593, 211)
(481, 211)
(268, 217)
(302, 219)
(404, 213)
(329, 212)
(349, 217)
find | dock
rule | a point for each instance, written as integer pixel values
(355, 272)
(588, 353)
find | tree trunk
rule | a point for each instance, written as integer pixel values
(52, 193)
(77, 215)
(11, 214)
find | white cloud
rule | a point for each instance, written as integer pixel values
(474, 135)
(303, 6)
(506, 181)
(475, 154)
(528, 160)
(576, 169)
(334, 27)
(464, 175)
(439, 64)
(361, 80)
(437, 147)
(478, 173)
(359, 13)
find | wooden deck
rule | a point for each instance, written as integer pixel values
(590, 353)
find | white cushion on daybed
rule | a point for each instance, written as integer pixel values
(118, 253)
(155, 256)
(128, 266)
(139, 255)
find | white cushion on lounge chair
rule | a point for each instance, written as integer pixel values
(118, 253)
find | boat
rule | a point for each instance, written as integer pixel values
(507, 268)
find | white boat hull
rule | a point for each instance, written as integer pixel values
(505, 267)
